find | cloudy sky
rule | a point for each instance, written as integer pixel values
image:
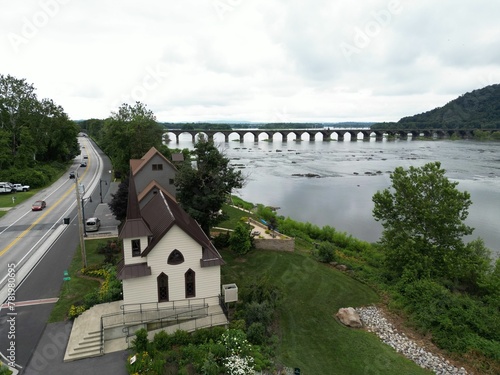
(252, 60)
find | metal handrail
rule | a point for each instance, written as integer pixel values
(141, 319)
(183, 302)
(178, 321)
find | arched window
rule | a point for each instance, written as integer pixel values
(189, 280)
(175, 257)
(162, 282)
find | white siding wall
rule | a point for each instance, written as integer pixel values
(127, 250)
(144, 289)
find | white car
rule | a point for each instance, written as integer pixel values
(92, 224)
(21, 187)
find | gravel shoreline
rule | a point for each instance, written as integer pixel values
(374, 320)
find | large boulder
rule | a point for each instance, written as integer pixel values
(349, 317)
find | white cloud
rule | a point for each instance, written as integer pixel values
(260, 60)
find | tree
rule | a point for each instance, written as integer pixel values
(119, 201)
(241, 240)
(202, 190)
(129, 134)
(423, 219)
(32, 130)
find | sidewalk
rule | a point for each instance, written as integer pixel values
(48, 356)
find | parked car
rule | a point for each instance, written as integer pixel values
(92, 224)
(71, 174)
(21, 187)
(38, 206)
(6, 187)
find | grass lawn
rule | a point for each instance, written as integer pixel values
(75, 289)
(234, 216)
(311, 338)
(21, 196)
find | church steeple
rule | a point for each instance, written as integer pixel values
(135, 226)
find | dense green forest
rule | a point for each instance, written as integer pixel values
(36, 135)
(478, 109)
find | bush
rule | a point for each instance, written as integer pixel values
(256, 312)
(181, 337)
(75, 311)
(203, 336)
(4, 370)
(256, 333)
(110, 250)
(140, 343)
(240, 239)
(145, 365)
(221, 241)
(260, 291)
(326, 252)
(162, 341)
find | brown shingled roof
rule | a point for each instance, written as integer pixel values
(137, 164)
(177, 157)
(152, 185)
(162, 212)
(131, 271)
(134, 224)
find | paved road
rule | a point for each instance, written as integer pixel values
(44, 282)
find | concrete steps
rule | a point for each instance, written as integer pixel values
(85, 338)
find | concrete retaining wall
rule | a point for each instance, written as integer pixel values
(287, 244)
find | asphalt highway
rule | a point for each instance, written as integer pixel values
(35, 250)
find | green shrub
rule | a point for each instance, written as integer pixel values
(240, 240)
(203, 336)
(181, 337)
(261, 290)
(326, 252)
(162, 341)
(221, 241)
(238, 324)
(256, 312)
(144, 364)
(140, 343)
(256, 333)
(4, 370)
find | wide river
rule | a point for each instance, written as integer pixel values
(351, 172)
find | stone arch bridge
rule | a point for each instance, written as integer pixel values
(327, 133)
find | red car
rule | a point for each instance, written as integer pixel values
(38, 206)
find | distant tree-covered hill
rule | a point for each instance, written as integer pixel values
(479, 109)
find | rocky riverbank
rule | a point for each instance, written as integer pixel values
(374, 321)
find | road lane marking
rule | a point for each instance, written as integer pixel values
(31, 302)
(46, 212)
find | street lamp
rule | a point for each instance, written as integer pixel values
(83, 214)
(100, 187)
(82, 221)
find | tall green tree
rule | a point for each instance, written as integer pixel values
(119, 201)
(423, 217)
(129, 133)
(32, 130)
(203, 188)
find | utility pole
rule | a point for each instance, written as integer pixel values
(80, 221)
